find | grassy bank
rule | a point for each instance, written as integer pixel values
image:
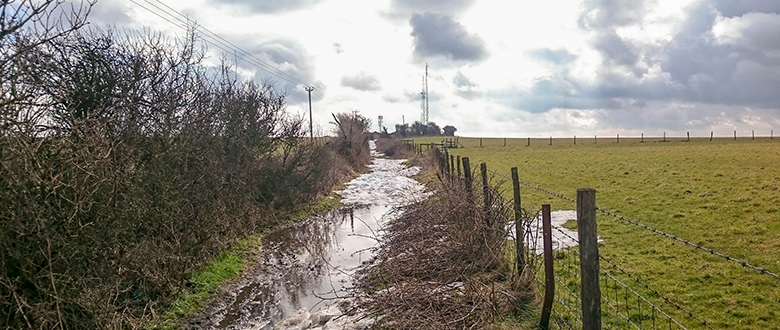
(722, 194)
(228, 266)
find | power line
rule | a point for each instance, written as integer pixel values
(219, 42)
(217, 39)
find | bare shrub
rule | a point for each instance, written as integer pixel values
(125, 164)
(443, 264)
(352, 137)
(393, 148)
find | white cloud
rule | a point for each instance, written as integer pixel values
(526, 68)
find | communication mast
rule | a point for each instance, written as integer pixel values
(424, 97)
(380, 123)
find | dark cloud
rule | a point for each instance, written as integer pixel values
(758, 31)
(741, 69)
(559, 56)
(268, 7)
(361, 81)
(440, 35)
(616, 50)
(731, 8)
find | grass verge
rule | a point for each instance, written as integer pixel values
(722, 194)
(229, 265)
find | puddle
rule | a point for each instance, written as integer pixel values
(561, 237)
(309, 266)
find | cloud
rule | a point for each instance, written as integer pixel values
(109, 12)
(462, 81)
(441, 6)
(464, 87)
(403, 9)
(337, 47)
(558, 56)
(735, 8)
(709, 60)
(757, 31)
(361, 81)
(440, 35)
(268, 7)
(291, 58)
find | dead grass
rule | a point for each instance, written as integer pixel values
(444, 265)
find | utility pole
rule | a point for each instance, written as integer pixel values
(311, 123)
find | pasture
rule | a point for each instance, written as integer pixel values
(721, 194)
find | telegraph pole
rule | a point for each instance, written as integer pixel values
(311, 125)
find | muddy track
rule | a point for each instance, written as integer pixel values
(308, 266)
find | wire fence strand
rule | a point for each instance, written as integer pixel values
(657, 231)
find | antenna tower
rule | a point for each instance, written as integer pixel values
(380, 124)
(424, 97)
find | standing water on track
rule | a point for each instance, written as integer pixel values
(304, 272)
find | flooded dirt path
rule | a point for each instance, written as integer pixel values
(306, 269)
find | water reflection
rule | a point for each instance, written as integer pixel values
(304, 265)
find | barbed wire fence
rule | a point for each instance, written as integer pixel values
(627, 301)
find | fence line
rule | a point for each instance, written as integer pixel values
(627, 303)
(657, 231)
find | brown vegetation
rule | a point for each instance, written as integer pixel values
(444, 264)
(125, 164)
(392, 147)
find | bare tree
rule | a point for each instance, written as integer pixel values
(46, 20)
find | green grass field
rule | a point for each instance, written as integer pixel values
(722, 194)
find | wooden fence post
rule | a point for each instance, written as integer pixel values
(735, 135)
(551, 140)
(519, 230)
(575, 140)
(643, 138)
(446, 162)
(452, 165)
(549, 279)
(504, 142)
(664, 136)
(480, 142)
(485, 193)
(753, 134)
(618, 138)
(689, 136)
(595, 139)
(467, 174)
(458, 164)
(589, 258)
(529, 141)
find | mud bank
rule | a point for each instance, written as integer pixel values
(303, 276)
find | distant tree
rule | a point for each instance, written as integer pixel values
(432, 129)
(418, 128)
(402, 130)
(449, 130)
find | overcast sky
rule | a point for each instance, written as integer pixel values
(509, 68)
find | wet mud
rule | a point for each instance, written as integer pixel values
(309, 266)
